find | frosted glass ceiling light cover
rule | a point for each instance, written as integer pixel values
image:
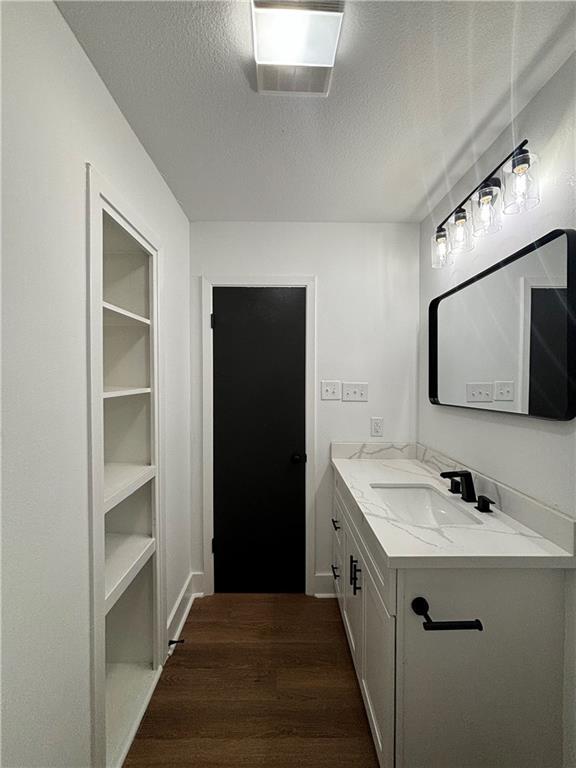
(295, 37)
(521, 182)
(487, 208)
(461, 240)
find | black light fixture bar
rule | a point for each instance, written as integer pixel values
(489, 176)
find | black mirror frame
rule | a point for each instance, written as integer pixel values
(571, 285)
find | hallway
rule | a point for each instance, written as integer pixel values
(262, 680)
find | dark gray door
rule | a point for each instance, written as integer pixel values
(259, 339)
(548, 353)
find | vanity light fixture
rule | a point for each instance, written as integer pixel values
(521, 182)
(461, 239)
(440, 248)
(295, 44)
(487, 207)
(486, 203)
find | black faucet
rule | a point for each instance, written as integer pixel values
(468, 490)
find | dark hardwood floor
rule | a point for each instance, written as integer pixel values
(262, 680)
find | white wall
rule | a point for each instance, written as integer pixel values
(538, 457)
(57, 116)
(535, 456)
(367, 307)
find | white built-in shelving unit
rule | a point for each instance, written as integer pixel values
(128, 640)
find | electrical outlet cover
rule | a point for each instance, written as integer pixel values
(355, 391)
(504, 390)
(330, 390)
(376, 426)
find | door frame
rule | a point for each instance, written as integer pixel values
(527, 284)
(209, 282)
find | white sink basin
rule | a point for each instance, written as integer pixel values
(422, 505)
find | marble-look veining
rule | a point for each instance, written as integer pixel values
(549, 522)
(493, 540)
(373, 450)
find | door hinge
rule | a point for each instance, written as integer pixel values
(212, 546)
(212, 321)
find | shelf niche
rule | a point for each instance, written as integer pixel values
(134, 514)
(128, 625)
(126, 270)
(129, 541)
(127, 429)
(126, 355)
(130, 676)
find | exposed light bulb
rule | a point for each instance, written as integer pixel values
(459, 233)
(485, 213)
(440, 248)
(487, 208)
(521, 187)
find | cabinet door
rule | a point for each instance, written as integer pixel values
(353, 572)
(378, 678)
(337, 518)
(337, 563)
(490, 699)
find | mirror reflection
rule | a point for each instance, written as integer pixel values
(504, 338)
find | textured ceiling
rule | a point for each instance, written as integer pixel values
(420, 89)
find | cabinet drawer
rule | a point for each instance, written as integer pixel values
(337, 519)
(372, 552)
(337, 566)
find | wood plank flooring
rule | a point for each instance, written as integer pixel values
(262, 680)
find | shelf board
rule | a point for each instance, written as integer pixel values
(120, 480)
(128, 691)
(115, 391)
(125, 554)
(114, 315)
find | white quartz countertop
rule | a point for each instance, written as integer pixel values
(496, 540)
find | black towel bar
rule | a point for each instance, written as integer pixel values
(421, 608)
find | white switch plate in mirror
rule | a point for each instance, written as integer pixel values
(355, 391)
(330, 390)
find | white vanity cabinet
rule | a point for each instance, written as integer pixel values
(378, 668)
(451, 699)
(352, 604)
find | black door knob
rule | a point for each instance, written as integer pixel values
(298, 458)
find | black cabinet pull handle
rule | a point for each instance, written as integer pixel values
(421, 608)
(298, 458)
(335, 524)
(334, 569)
(353, 564)
(355, 587)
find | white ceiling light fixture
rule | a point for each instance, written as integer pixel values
(295, 44)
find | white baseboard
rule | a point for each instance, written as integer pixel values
(324, 585)
(193, 587)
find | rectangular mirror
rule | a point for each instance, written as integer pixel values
(505, 340)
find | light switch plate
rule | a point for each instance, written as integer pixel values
(330, 390)
(504, 390)
(479, 392)
(376, 426)
(355, 391)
